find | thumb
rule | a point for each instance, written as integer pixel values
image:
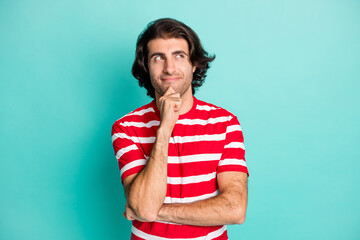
(169, 91)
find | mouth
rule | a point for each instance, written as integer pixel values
(170, 79)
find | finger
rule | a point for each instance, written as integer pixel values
(177, 105)
(169, 91)
(174, 95)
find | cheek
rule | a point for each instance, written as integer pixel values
(189, 70)
(155, 70)
(152, 73)
(152, 79)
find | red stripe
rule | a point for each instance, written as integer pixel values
(131, 172)
(237, 153)
(202, 147)
(179, 130)
(235, 136)
(229, 168)
(191, 189)
(192, 169)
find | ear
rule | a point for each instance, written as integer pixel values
(193, 68)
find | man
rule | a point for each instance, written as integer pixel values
(181, 159)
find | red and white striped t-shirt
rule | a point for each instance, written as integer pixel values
(205, 141)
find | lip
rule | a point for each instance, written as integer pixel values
(170, 79)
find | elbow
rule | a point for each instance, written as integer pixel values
(239, 216)
(147, 215)
(145, 208)
(144, 213)
(240, 219)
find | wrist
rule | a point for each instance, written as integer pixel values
(164, 132)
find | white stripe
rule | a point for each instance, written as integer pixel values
(209, 236)
(232, 161)
(175, 139)
(197, 138)
(205, 107)
(141, 112)
(132, 164)
(119, 135)
(194, 158)
(235, 145)
(181, 121)
(216, 233)
(143, 139)
(202, 121)
(140, 124)
(122, 151)
(233, 128)
(168, 222)
(191, 179)
(134, 139)
(190, 199)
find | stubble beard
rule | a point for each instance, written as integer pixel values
(161, 89)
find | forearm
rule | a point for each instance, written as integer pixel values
(223, 209)
(147, 191)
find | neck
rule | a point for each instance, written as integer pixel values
(187, 101)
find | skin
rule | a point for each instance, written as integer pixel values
(171, 75)
(170, 67)
(229, 207)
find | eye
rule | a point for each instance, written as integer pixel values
(179, 56)
(157, 58)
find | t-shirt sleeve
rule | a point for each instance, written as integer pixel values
(233, 155)
(130, 158)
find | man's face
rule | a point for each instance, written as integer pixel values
(169, 65)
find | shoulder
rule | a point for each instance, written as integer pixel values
(138, 115)
(213, 110)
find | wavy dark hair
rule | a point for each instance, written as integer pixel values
(169, 28)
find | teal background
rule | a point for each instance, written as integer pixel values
(289, 70)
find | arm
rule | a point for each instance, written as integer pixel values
(145, 192)
(229, 207)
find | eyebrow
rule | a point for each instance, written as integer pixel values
(173, 53)
(179, 52)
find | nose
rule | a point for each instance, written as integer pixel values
(169, 66)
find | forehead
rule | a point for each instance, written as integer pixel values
(167, 45)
